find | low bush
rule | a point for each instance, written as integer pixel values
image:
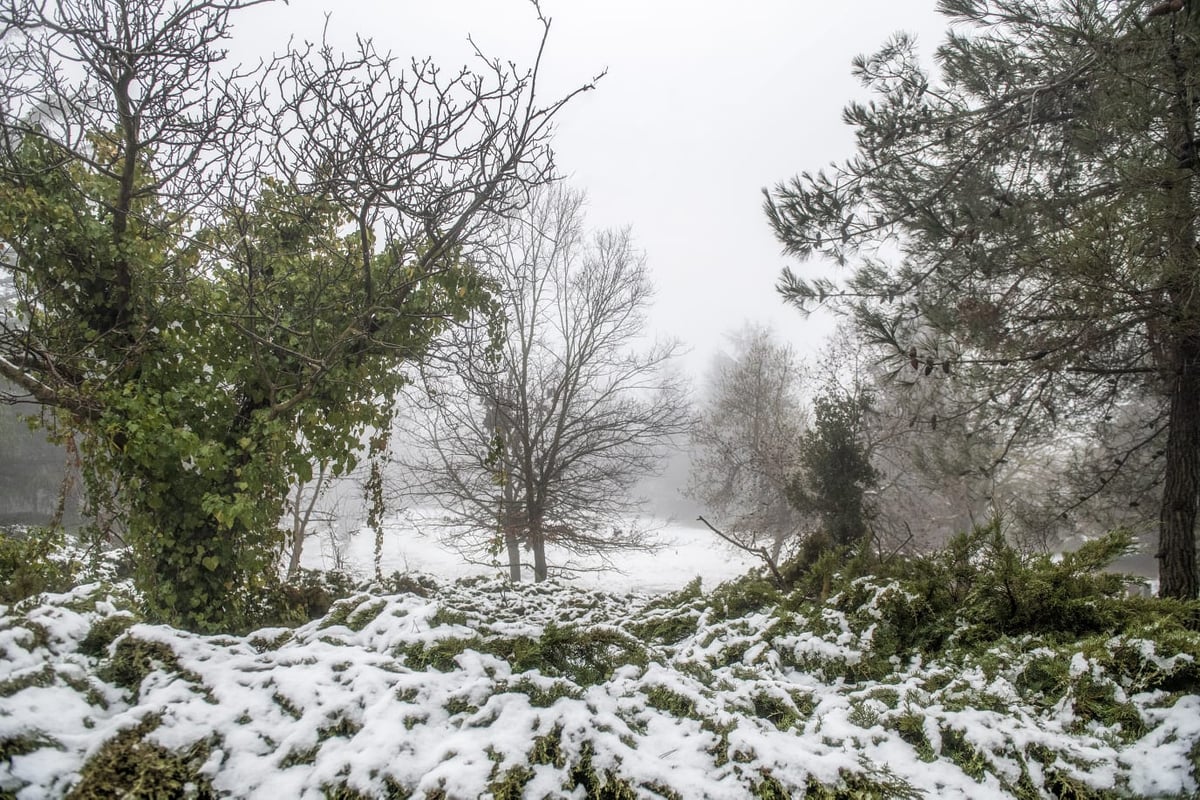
(29, 563)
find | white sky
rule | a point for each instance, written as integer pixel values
(704, 104)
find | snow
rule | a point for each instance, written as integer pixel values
(412, 542)
(344, 700)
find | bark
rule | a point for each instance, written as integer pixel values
(1181, 485)
(1177, 521)
(537, 541)
(514, 555)
(511, 542)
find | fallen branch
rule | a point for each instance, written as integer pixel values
(761, 552)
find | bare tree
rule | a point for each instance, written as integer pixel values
(747, 439)
(542, 443)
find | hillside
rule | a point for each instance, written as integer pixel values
(428, 688)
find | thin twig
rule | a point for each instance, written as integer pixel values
(761, 552)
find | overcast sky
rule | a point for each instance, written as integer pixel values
(704, 104)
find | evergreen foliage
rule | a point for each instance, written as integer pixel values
(1011, 670)
(836, 469)
(1022, 225)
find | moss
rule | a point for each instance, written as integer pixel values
(444, 616)
(103, 633)
(134, 658)
(26, 680)
(670, 701)
(353, 613)
(877, 785)
(956, 748)
(130, 767)
(439, 655)
(911, 728)
(779, 711)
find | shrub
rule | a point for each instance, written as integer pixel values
(27, 565)
(130, 767)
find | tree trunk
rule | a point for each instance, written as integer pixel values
(293, 570)
(1177, 520)
(514, 555)
(538, 541)
(1181, 484)
(777, 544)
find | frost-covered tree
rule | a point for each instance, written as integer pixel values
(746, 442)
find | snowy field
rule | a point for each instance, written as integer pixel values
(412, 543)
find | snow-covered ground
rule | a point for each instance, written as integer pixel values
(412, 542)
(441, 689)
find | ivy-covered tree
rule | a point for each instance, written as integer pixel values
(835, 469)
(1024, 223)
(220, 276)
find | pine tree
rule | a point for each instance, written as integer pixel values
(1026, 224)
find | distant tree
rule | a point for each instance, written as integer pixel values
(835, 469)
(543, 442)
(1025, 225)
(220, 273)
(746, 441)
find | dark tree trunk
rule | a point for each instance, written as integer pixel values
(1177, 520)
(537, 541)
(1181, 485)
(514, 556)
